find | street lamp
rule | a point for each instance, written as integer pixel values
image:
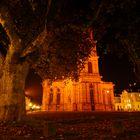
(107, 91)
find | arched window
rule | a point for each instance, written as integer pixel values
(58, 97)
(51, 96)
(89, 67)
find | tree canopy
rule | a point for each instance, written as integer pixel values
(117, 30)
(115, 24)
(54, 35)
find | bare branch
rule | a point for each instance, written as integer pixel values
(97, 12)
(35, 44)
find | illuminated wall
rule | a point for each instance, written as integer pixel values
(90, 93)
(129, 101)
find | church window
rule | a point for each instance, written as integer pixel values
(91, 86)
(58, 97)
(109, 99)
(51, 96)
(89, 67)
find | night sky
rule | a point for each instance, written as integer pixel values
(33, 87)
(117, 70)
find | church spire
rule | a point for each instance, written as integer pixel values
(93, 50)
(91, 34)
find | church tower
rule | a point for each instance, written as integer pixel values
(91, 65)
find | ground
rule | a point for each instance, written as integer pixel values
(74, 126)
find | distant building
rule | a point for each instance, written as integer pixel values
(90, 93)
(29, 105)
(118, 105)
(128, 101)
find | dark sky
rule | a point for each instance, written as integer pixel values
(117, 70)
(112, 68)
(33, 87)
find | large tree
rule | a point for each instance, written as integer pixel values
(13, 68)
(47, 35)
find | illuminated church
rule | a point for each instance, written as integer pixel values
(90, 93)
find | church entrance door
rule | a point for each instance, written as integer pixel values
(92, 100)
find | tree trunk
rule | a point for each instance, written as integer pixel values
(13, 75)
(12, 98)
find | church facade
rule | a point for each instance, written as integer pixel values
(90, 93)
